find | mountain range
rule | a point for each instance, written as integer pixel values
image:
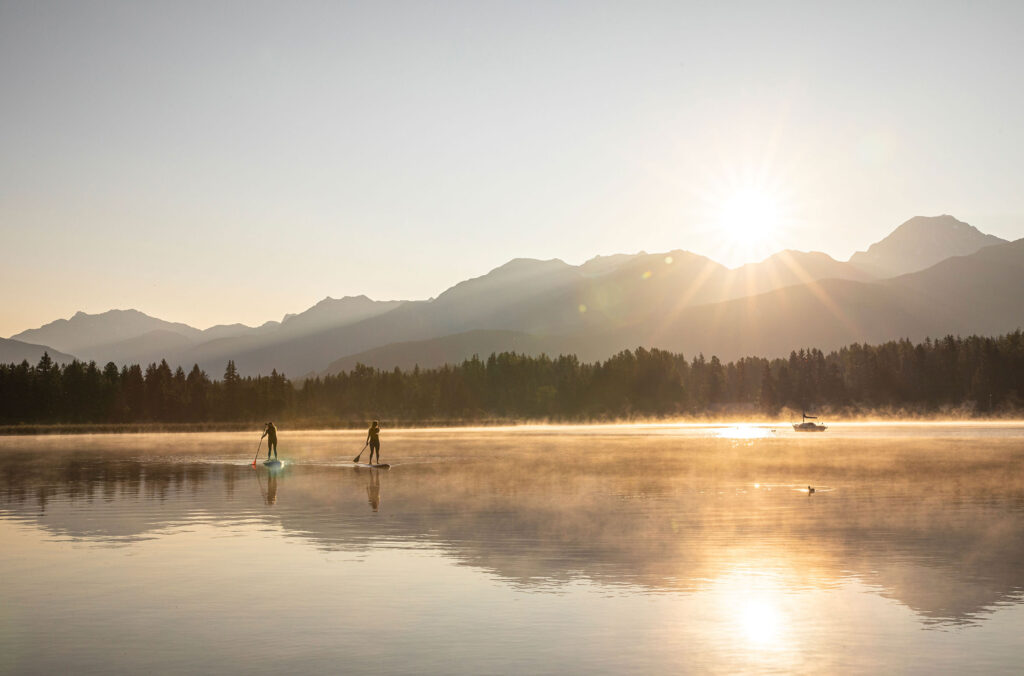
(931, 276)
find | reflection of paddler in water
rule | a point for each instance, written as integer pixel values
(272, 489)
(269, 495)
(373, 491)
(373, 439)
(270, 432)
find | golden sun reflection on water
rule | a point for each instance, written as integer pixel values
(745, 432)
(756, 613)
(761, 623)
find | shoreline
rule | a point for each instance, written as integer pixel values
(495, 425)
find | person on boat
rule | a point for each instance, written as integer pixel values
(271, 433)
(373, 439)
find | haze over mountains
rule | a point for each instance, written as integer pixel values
(14, 351)
(930, 277)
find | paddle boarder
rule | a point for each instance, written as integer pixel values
(373, 439)
(270, 432)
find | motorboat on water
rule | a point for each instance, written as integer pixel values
(807, 426)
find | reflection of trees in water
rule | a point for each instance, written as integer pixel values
(938, 530)
(230, 473)
(78, 481)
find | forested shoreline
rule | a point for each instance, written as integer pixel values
(983, 376)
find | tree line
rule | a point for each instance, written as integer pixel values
(983, 374)
(84, 393)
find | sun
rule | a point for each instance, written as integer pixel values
(750, 215)
(743, 213)
(746, 219)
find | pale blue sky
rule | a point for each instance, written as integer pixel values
(221, 162)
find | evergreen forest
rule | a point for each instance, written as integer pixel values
(982, 375)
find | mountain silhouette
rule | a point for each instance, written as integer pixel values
(534, 306)
(130, 336)
(674, 300)
(268, 348)
(16, 351)
(85, 335)
(332, 312)
(787, 268)
(920, 243)
(980, 293)
(446, 350)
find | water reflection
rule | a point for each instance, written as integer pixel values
(741, 432)
(270, 492)
(761, 623)
(373, 490)
(932, 523)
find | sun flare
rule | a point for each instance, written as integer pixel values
(749, 214)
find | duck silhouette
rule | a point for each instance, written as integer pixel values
(809, 490)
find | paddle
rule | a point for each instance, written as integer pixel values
(356, 459)
(257, 452)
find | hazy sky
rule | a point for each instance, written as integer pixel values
(212, 162)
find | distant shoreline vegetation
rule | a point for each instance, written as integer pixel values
(958, 377)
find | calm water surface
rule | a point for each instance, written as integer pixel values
(538, 550)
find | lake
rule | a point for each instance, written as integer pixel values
(552, 550)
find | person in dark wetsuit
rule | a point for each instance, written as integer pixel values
(271, 433)
(373, 439)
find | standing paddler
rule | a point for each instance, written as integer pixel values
(270, 432)
(373, 439)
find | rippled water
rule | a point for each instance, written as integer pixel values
(536, 550)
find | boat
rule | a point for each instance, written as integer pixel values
(807, 426)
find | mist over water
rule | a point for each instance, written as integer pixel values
(537, 549)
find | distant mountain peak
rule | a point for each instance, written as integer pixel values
(921, 242)
(517, 264)
(517, 277)
(361, 298)
(345, 303)
(599, 265)
(83, 331)
(112, 312)
(931, 225)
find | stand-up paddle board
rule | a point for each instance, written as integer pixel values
(368, 466)
(273, 464)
